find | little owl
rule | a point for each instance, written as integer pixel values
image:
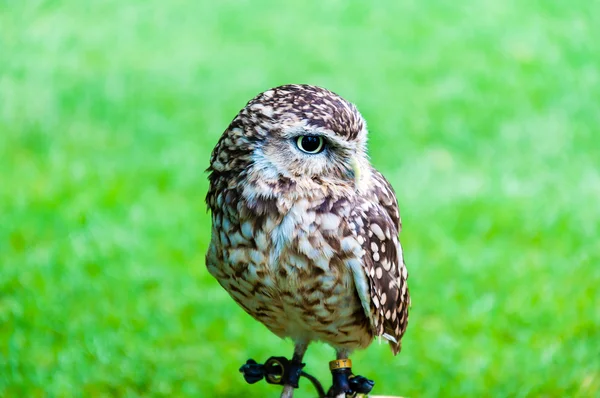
(304, 229)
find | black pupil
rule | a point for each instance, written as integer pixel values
(310, 143)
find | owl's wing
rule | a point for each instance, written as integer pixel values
(375, 222)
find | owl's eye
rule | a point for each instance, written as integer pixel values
(310, 144)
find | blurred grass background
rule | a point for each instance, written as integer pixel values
(484, 116)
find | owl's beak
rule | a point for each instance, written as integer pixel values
(356, 171)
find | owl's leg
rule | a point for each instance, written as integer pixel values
(341, 370)
(344, 382)
(295, 368)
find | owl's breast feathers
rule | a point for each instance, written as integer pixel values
(321, 267)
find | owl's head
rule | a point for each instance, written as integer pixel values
(295, 137)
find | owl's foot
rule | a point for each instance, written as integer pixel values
(344, 382)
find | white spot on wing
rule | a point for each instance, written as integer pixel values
(389, 337)
(377, 231)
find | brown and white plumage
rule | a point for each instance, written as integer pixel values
(307, 243)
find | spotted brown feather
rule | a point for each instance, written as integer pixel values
(376, 224)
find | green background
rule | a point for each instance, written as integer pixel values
(484, 115)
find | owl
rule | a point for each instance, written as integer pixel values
(304, 229)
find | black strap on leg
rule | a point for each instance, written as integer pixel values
(292, 372)
(345, 382)
(276, 370)
(340, 381)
